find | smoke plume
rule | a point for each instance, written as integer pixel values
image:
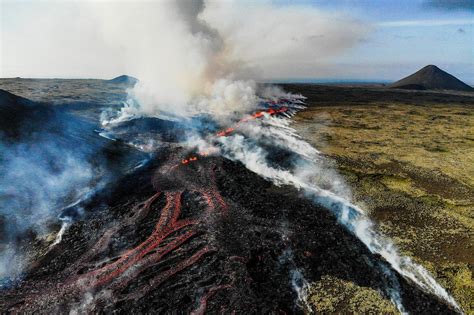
(306, 171)
(208, 58)
(190, 56)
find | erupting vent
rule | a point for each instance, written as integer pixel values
(283, 106)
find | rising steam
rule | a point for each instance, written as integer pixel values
(195, 57)
(305, 173)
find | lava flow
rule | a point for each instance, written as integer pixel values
(258, 114)
(110, 267)
(98, 271)
(229, 130)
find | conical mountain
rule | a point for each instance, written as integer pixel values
(123, 79)
(431, 78)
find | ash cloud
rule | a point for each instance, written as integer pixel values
(190, 56)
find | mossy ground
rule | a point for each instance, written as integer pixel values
(331, 295)
(412, 168)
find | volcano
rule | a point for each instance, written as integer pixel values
(192, 232)
(207, 236)
(123, 79)
(431, 78)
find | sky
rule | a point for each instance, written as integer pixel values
(320, 39)
(407, 35)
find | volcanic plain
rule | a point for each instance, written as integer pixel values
(408, 157)
(214, 236)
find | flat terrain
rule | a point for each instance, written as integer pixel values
(409, 160)
(61, 91)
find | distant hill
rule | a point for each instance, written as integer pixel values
(123, 79)
(431, 78)
(8, 99)
(19, 115)
(22, 120)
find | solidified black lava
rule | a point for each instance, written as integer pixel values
(240, 227)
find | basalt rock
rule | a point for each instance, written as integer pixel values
(208, 235)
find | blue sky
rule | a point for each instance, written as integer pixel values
(406, 35)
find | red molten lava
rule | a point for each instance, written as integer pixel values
(259, 114)
(169, 234)
(229, 130)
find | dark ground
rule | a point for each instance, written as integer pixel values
(408, 157)
(248, 240)
(243, 238)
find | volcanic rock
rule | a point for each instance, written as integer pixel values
(18, 114)
(431, 78)
(211, 236)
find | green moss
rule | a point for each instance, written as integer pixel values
(457, 278)
(331, 295)
(402, 184)
(414, 176)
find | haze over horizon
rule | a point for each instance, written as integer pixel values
(328, 40)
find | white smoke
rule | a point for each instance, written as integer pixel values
(190, 56)
(281, 40)
(37, 180)
(204, 60)
(298, 282)
(249, 149)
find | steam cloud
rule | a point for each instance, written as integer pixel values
(190, 56)
(38, 179)
(208, 58)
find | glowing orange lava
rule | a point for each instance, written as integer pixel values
(229, 130)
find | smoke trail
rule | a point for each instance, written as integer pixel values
(298, 282)
(204, 57)
(59, 237)
(37, 179)
(248, 150)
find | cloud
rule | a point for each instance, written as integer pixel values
(165, 39)
(211, 52)
(450, 4)
(425, 23)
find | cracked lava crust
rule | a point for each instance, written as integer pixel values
(203, 236)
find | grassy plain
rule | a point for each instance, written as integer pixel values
(409, 160)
